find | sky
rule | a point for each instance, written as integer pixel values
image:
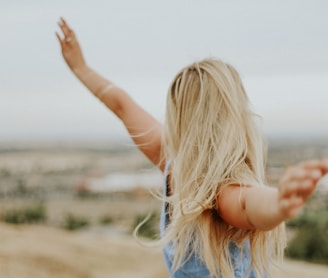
(279, 47)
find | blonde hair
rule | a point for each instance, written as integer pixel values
(213, 140)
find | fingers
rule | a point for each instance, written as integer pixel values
(291, 207)
(64, 22)
(67, 31)
(310, 169)
(64, 27)
(59, 39)
(298, 184)
(320, 164)
(302, 178)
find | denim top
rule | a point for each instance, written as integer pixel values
(194, 267)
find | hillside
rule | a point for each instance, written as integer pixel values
(43, 252)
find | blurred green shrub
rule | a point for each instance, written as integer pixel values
(311, 240)
(106, 220)
(72, 222)
(149, 225)
(30, 214)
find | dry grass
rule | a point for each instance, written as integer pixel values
(37, 251)
(45, 252)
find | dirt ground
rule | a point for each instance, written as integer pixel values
(40, 252)
(48, 251)
(44, 252)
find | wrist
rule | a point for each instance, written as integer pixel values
(272, 207)
(81, 71)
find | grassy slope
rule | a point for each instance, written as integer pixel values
(36, 251)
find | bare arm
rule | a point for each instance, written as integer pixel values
(265, 207)
(144, 129)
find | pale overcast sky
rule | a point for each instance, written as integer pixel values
(279, 47)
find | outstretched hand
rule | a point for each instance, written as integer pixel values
(70, 47)
(298, 184)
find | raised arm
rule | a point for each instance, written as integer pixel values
(144, 129)
(266, 207)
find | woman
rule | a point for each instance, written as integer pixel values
(219, 219)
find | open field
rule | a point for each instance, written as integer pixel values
(40, 252)
(57, 178)
(43, 252)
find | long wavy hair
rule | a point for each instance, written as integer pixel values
(212, 139)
